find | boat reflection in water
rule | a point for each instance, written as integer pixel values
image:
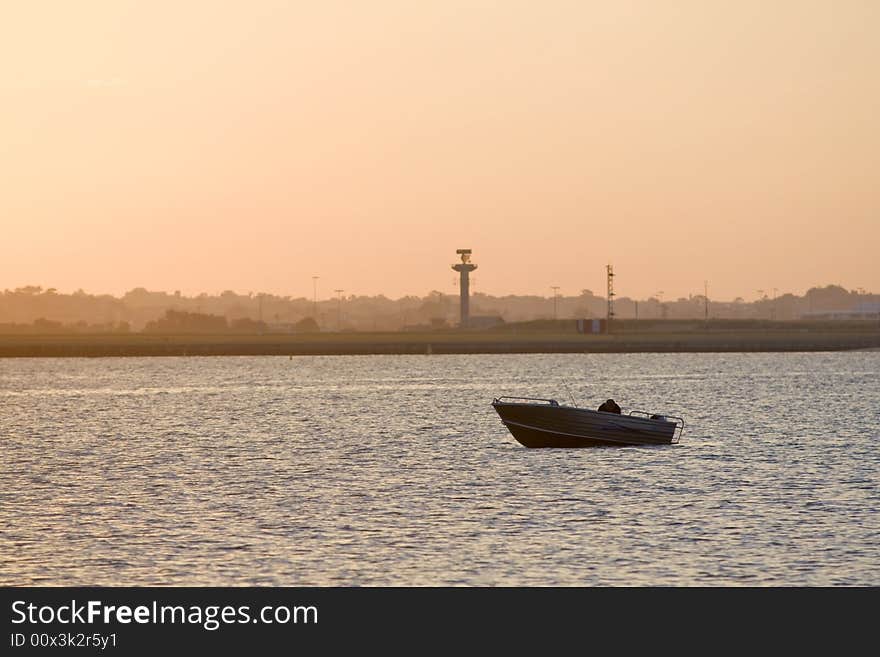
(546, 423)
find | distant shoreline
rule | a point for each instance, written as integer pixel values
(448, 342)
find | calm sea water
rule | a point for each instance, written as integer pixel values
(395, 470)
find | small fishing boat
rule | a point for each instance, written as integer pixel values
(547, 423)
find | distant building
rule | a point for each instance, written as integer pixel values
(485, 321)
(280, 327)
(592, 325)
(866, 310)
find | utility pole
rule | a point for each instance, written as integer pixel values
(555, 289)
(773, 314)
(339, 309)
(610, 313)
(315, 297)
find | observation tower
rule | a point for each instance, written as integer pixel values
(464, 269)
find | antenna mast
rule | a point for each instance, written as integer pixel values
(610, 316)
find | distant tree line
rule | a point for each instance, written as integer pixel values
(178, 321)
(44, 326)
(33, 309)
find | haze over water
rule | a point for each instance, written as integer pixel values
(395, 470)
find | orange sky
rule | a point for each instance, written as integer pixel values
(210, 145)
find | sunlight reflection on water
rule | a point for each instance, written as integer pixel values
(395, 470)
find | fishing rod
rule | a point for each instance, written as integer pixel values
(565, 383)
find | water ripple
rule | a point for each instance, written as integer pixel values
(394, 470)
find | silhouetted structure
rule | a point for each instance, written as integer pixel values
(464, 269)
(610, 314)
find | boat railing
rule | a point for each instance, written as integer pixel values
(550, 402)
(679, 422)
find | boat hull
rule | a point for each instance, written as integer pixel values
(543, 425)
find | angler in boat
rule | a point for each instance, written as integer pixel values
(536, 422)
